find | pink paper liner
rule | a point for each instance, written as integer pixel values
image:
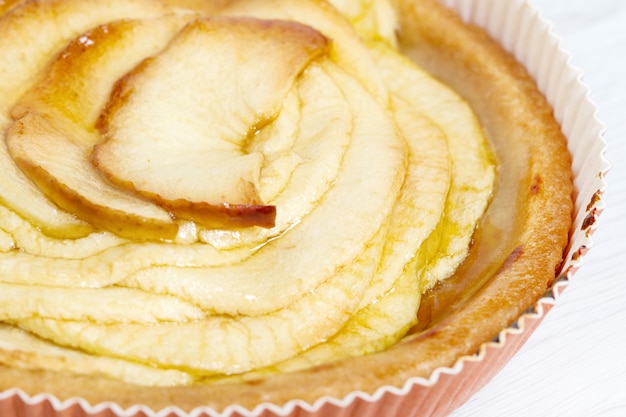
(522, 31)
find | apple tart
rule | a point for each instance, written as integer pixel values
(206, 203)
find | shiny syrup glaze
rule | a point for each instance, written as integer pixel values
(493, 247)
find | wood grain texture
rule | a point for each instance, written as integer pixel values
(575, 364)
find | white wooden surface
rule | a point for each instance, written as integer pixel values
(575, 363)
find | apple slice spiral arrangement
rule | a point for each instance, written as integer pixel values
(189, 196)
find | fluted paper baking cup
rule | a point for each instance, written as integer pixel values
(519, 27)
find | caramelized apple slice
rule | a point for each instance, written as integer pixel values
(178, 133)
(7, 5)
(347, 49)
(30, 36)
(303, 149)
(54, 133)
(282, 333)
(362, 195)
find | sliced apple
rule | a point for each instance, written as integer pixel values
(7, 5)
(389, 305)
(223, 343)
(203, 7)
(324, 134)
(61, 171)
(54, 132)
(101, 305)
(285, 332)
(371, 329)
(178, 133)
(347, 49)
(7, 243)
(284, 269)
(18, 347)
(303, 150)
(44, 27)
(30, 36)
(473, 163)
(110, 266)
(372, 19)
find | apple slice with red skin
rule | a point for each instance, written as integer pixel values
(53, 133)
(178, 127)
(32, 34)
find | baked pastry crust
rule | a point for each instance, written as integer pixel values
(508, 274)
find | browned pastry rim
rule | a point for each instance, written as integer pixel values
(535, 171)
